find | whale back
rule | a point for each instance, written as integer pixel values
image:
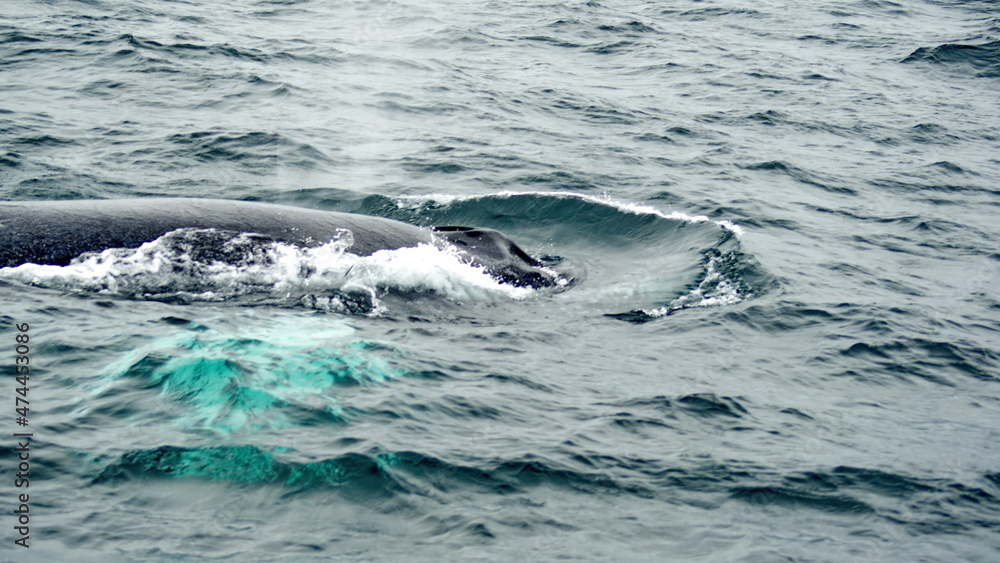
(56, 232)
(498, 254)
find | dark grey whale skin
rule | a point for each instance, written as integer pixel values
(56, 232)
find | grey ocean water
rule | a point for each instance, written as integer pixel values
(779, 339)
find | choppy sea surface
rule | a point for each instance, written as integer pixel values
(779, 339)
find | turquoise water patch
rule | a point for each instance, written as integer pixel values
(249, 382)
(250, 465)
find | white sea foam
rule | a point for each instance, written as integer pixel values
(326, 274)
(715, 289)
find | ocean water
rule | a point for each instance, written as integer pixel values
(778, 340)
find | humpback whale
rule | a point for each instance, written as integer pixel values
(56, 232)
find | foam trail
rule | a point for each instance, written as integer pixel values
(714, 290)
